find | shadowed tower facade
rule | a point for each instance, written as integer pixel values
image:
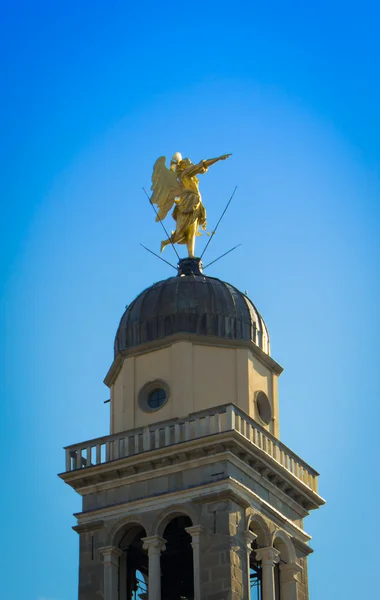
(192, 495)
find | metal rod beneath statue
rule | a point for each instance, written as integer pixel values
(160, 257)
(225, 254)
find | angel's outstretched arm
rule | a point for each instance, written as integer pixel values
(202, 166)
(212, 161)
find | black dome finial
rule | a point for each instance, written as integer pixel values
(190, 266)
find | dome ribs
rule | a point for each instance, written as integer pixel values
(193, 304)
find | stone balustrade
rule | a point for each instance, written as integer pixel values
(208, 422)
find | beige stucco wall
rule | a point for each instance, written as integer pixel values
(199, 376)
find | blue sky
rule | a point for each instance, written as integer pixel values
(91, 95)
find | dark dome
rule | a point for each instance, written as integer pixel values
(191, 303)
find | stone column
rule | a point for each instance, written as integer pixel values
(155, 545)
(269, 557)
(289, 581)
(249, 537)
(111, 556)
(195, 532)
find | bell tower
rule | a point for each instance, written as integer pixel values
(192, 495)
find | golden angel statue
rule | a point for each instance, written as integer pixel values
(179, 185)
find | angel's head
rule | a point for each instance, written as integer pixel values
(183, 164)
(176, 159)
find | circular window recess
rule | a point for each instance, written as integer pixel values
(263, 407)
(153, 395)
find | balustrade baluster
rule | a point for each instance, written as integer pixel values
(271, 447)
(207, 426)
(177, 433)
(68, 460)
(167, 435)
(115, 449)
(78, 461)
(146, 438)
(254, 435)
(98, 456)
(218, 427)
(231, 417)
(157, 438)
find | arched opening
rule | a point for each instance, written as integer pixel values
(258, 527)
(133, 564)
(177, 578)
(287, 556)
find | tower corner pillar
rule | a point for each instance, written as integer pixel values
(111, 555)
(289, 580)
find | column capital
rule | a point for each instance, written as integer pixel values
(154, 544)
(290, 571)
(110, 551)
(268, 555)
(249, 537)
(195, 531)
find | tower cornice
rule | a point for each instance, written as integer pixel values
(202, 340)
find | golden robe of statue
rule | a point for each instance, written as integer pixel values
(179, 185)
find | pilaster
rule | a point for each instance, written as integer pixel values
(196, 531)
(111, 556)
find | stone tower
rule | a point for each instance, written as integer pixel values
(192, 495)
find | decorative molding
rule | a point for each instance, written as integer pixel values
(249, 538)
(89, 526)
(289, 572)
(155, 544)
(168, 499)
(226, 494)
(195, 531)
(147, 464)
(110, 553)
(268, 555)
(302, 546)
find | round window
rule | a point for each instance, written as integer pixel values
(156, 398)
(263, 407)
(153, 395)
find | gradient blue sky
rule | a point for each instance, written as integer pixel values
(91, 94)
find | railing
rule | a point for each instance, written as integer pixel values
(197, 425)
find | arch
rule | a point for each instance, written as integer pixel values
(125, 526)
(170, 513)
(283, 543)
(258, 525)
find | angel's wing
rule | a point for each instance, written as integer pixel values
(165, 187)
